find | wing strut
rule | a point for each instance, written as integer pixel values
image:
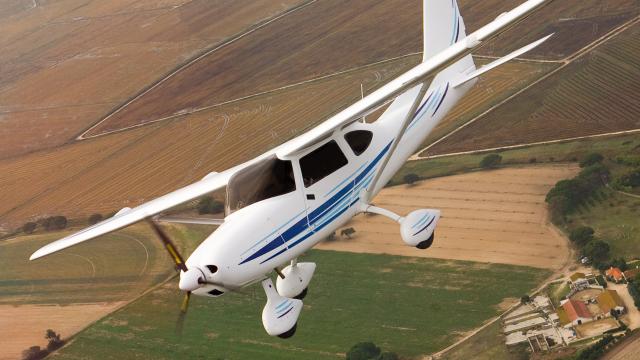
(422, 90)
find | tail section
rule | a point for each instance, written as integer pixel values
(442, 26)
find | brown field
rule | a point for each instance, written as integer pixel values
(25, 325)
(334, 37)
(627, 350)
(490, 216)
(68, 64)
(595, 94)
(109, 172)
(65, 64)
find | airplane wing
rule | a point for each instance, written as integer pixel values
(413, 77)
(126, 216)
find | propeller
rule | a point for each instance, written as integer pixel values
(190, 280)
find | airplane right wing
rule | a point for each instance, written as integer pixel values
(413, 77)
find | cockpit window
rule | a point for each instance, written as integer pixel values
(358, 140)
(266, 179)
(321, 162)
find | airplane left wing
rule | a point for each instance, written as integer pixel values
(126, 217)
(411, 78)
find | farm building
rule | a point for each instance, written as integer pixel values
(610, 300)
(580, 280)
(573, 313)
(614, 274)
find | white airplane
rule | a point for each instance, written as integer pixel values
(282, 203)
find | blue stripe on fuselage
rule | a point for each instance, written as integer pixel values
(317, 214)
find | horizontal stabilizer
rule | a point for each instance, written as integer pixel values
(501, 61)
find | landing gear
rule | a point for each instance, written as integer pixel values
(427, 243)
(289, 333)
(302, 295)
(280, 314)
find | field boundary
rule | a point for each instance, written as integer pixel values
(563, 63)
(184, 66)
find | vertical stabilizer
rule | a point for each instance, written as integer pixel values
(442, 26)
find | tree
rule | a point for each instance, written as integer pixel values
(34, 353)
(387, 355)
(590, 159)
(29, 227)
(331, 237)
(411, 179)
(363, 351)
(54, 339)
(490, 161)
(209, 205)
(597, 251)
(620, 263)
(525, 299)
(581, 235)
(58, 222)
(94, 219)
(348, 232)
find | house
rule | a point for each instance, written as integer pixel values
(573, 313)
(579, 281)
(610, 300)
(614, 274)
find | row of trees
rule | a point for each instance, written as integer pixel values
(634, 290)
(568, 195)
(598, 251)
(50, 223)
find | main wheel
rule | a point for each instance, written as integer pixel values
(289, 333)
(427, 243)
(302, 295)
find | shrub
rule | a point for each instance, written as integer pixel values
(388, 356)
(57, 222)
(209, 205)
(34, 353)
(525, 299)
(29, 227)
(490, 161)
(347, 232)
(363, 351)
(54, 340)
(410, 179)
(94, 219)
(581, 235)
(590, 159)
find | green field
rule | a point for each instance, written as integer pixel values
(563, 152)
(406, 305)
(114, 268)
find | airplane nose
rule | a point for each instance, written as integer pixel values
(191, 279)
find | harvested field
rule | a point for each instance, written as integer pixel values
(490, 216)
(89, 55)
(628, 349)
(595, 94)
(25, 325)
(107, 173)
(328, 36)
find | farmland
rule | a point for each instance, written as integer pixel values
(594, 94)
(453, 297)
(65, 64)
(343, 38)
(488, 216)
(67, 291)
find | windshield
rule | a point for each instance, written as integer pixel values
(268, 178)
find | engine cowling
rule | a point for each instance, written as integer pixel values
(418, 228)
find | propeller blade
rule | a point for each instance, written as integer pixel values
(183, 313)
(168, 244)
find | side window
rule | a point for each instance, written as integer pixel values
(321, 162)
(358, 140)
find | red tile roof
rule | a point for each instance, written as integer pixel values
(576, 309)
(615, 273)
